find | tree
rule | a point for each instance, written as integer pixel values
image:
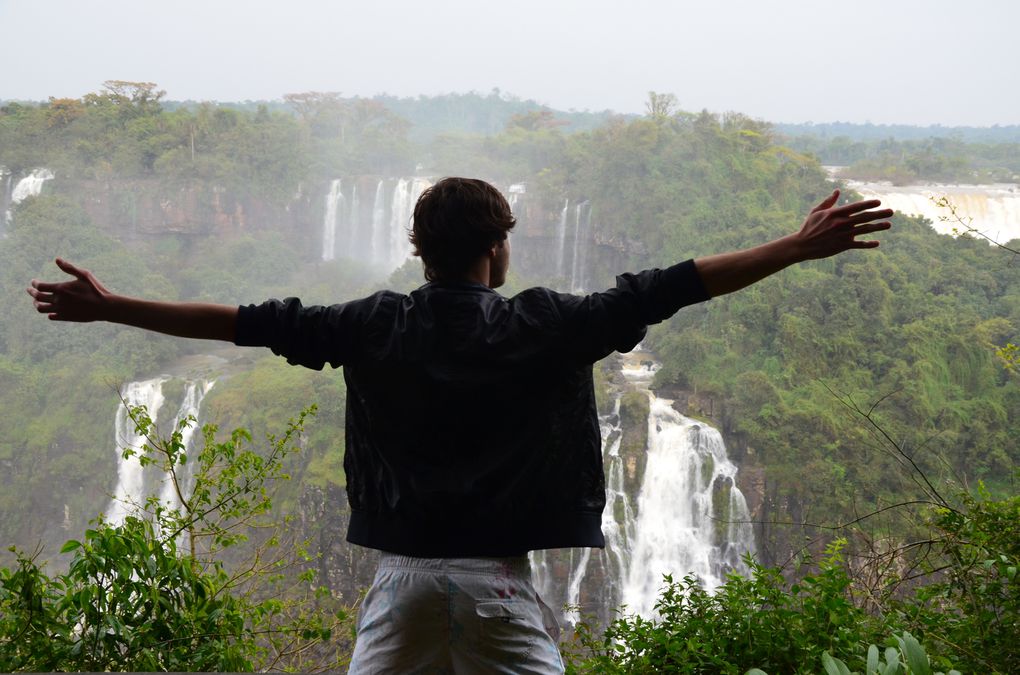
(131, 600)
(660, 106)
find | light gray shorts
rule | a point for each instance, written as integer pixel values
(455, 615)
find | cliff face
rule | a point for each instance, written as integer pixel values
(140, 208)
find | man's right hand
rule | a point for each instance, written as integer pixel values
(82, 299)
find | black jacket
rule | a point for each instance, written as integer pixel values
(471, 420)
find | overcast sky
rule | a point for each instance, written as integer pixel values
(888, 61)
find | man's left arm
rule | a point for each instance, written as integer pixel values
(827, 231)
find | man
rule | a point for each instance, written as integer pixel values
(472, 435)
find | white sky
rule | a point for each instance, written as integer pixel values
(883, 61)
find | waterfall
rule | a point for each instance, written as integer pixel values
(194, 393)
(561, 243)
(334, 202)
(582, 225)
(5, 200)
(515, 191)
(378, 222)
(378, 238)
(29, 186)
(354, 222)
(405, 196)
(689, 516)
(679, 529)
(134, 482)
(129, 494)
(400, 218)
(994, 210)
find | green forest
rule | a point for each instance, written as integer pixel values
(870, 400)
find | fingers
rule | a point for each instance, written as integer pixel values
(868, 216)
(43, 302)
(44, 286)
(71, 269)
(864, 244)
(869, 228)
(40, 296)
(827, 202)
(854, 207)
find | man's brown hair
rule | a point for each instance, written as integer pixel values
(456, 221)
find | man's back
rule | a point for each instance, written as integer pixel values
(471, 422)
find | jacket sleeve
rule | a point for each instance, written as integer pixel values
(306, 336)
(617, 319)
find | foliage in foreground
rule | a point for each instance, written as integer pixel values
(966, 611)
(133, 600)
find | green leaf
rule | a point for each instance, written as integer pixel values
(755, 671)
(872, 666)
(892, 661)
(917, 660)
(70, 545)
(834, 666)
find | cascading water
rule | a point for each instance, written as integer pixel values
(993, 210)
(689, 516)
(134, 483)
(561, 241)
(194, 393)
(376, 223)
(334, 204)
(397, 247)
(378, 237)
(130, 491)
(686, 509)
(355, 222)
(582, 226)
(29, 186)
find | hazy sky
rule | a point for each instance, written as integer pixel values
(884, 61)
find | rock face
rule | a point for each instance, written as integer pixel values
(143, 208)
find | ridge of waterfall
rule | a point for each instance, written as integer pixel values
(689, 517)
(993, 210)
(134, 482)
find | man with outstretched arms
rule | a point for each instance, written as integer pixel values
(471, 427)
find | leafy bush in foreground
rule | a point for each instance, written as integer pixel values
(133, 600)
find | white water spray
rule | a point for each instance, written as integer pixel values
(129, 495)
(334, 204)
(690, 517)
(134, 482)
(29, 186)
(561, 241)
(993, 210)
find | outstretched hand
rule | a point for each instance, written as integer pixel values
(80, 299)
(831, 229)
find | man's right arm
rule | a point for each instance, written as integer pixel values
(85, 299)
(828, 230)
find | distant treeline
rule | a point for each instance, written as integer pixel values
(901, 132)
(429, 116)
(903, 161)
